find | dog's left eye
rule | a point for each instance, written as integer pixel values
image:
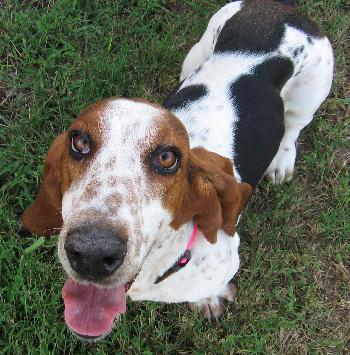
(165, 161)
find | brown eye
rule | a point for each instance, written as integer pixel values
(80, 145)
(167, 159)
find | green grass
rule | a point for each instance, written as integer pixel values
(294, 281)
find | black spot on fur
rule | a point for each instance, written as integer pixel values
(185, 96)
(259, 27)
(173, 92)
(299, 71)
(261, 117)
(197, 70)
(298, 51)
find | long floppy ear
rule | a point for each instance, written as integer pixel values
(214, 198)
(43, 217)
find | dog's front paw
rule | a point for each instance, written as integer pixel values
(213, 308)
(281, 168)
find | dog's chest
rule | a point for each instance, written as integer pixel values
(208, 271)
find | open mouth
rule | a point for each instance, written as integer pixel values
(90, 311)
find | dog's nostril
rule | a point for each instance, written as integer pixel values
(110, 261)
(76, 255)
(73, 254)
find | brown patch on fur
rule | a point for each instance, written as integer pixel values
(170, 120)
(85, 216)
(213, 198)
(112, 181)
(113, 202)
(91, 190)
(203, 188)
(89, 120)
(172, 133)
(111, 163)
(43, 217)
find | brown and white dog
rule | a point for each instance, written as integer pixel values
(129, 181)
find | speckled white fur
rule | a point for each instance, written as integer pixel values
(119, 172)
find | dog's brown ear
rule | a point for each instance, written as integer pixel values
(214, 198)
(43, 217)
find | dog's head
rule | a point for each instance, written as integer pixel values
(120, 178)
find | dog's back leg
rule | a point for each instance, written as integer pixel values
(203, 49)
(302, 95)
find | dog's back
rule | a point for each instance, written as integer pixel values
(260, 26)
(252, 82)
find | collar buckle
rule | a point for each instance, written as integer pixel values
(183, 260)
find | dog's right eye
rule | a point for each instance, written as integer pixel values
(80, 146)
(167, 159)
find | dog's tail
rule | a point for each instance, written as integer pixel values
(291, 3)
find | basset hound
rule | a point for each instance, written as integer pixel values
(147, 197)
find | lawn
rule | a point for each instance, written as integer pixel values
(294, 281)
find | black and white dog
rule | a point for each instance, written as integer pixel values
(252, 82)
(127, 191)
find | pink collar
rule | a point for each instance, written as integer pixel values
(183, 260)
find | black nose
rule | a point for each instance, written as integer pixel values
(95, 252)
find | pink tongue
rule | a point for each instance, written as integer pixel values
(90, 310)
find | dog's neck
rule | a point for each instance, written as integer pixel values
(166, 250)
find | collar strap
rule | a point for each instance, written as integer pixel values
(183, 260)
